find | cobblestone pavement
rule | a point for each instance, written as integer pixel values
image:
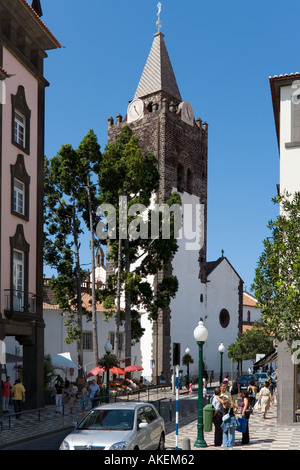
(265, 434)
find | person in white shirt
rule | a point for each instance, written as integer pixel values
(216, 401)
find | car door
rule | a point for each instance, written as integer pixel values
(143, 437)
(154, 426)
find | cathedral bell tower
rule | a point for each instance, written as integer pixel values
(166, 126)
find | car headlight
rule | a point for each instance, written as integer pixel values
(64, 446)
(119, 446)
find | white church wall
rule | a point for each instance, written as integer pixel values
(186, 307)
(222, 293)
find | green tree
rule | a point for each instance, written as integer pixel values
(277, 277)
(254, 341)
(128, 180)
(71, 200)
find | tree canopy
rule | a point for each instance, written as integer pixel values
(253, 341)
(277, 277)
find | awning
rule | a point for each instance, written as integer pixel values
(271, 357)
(63, 360)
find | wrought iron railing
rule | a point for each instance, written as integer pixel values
(20, 301)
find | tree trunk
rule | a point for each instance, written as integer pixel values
(94, 307)
(117, 318)
(127, 312)
(78, 287)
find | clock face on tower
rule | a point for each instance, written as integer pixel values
(135, 110)
(186, 112)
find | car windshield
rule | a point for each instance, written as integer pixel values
(108, 420)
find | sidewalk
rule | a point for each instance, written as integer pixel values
(265, 434)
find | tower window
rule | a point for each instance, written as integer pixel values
(189, 181)
(180, 178)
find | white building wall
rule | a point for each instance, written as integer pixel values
(222, 293)
(55, 333)
(289, 157)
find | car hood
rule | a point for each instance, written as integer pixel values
(97, 438)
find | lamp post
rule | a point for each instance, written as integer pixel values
(200, 335)
(187, 351)
(221, 349)
(108, 350)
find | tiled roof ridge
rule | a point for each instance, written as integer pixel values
(34, 13)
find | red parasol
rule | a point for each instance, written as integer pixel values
(116, 371)
(97, 370)
(132, 368)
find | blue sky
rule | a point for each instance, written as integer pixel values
(222, 54)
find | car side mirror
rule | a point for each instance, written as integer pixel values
(75, 424)
(143, 425)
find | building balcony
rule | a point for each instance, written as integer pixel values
(19, 303)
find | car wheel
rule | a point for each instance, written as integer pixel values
(161, 444)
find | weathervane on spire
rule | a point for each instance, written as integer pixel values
(158, 23)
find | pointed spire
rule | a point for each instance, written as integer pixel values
(158, 74)
(36, 6)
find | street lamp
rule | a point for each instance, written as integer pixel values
(108, 350)
(200, 335)
(221, 349)
(187, 351)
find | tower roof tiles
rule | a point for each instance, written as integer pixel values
(158, 74)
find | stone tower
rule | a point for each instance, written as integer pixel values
(166, 126)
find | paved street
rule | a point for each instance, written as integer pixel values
(265, 434)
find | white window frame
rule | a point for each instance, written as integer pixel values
(18, 280)
(19, 197)
(19, 128)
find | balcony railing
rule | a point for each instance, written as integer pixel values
(20, 301)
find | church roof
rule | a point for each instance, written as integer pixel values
(158, 74)
(212, 265)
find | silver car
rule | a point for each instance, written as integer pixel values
(118, 426)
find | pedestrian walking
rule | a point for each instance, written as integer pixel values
(252, 392)
(59, 390)
(265, 399)
(94, 393)
(84, 398)
(71, 394)
(5, 393)
(245, 413)
(229, 423)
(18, 396)
(217, 403)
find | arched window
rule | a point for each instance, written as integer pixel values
(180, 178)
(189, 181)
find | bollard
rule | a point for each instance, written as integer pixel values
(186, 444)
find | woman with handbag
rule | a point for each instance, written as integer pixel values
(229, 423)
(245, 412)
